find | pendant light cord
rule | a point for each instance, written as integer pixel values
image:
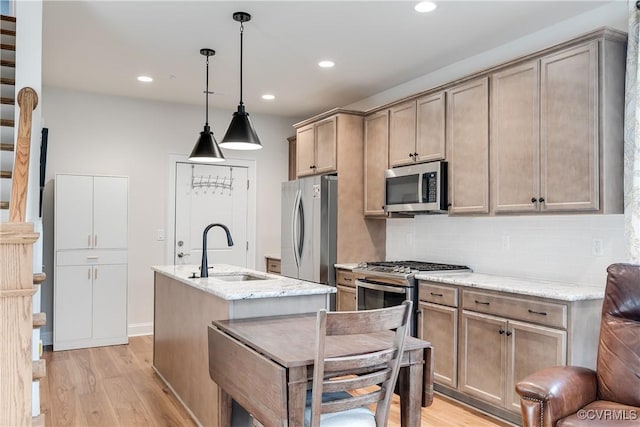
(207, 95)
(241, 33)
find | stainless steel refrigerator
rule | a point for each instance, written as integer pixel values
(309, 224)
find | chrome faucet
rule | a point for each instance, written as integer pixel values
(204, 267)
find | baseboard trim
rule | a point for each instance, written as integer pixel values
(133, 330)
(138, 329)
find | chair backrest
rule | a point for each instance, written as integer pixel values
(618, 369)
(343, 364)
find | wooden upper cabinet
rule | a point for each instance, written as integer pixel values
(326, 140)
(402, 134)
(316, 147)
(468, 146)
(305, 150)
(376, 157)
(569, 129)
(515, 139)
(430, 131)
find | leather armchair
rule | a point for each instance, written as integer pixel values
(568, 396)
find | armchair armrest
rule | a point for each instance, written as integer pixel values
(554, 393)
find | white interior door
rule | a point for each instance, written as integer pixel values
(207, 194)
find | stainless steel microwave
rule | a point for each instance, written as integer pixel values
(417, 188)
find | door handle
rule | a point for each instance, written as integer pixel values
(95, 241)
(182, 254)
(294, 228)
(95, 273)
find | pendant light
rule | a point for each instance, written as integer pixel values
(241, 135)
(206, 149)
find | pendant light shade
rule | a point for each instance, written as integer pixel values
(241, 135)
(206, 149)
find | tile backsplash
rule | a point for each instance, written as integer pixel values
(567, 248)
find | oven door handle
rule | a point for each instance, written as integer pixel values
(379, 287)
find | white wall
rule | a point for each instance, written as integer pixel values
(99, 134)
(543, 247)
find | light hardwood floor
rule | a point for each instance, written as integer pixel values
(116, 386)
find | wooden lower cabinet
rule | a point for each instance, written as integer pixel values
(346, 287)
(346, 299)
(440, 324)
(273, 265)
(529, 349)
(486, 341)
(496, 353)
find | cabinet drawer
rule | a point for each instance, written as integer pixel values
(273, 265)
(91, 256)
(543, 313)
(438, 294)
(345, 278)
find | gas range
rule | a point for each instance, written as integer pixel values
(405, 269)
(389, 283)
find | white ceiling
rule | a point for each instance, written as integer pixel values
(101, 46)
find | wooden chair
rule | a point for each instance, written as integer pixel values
(338, 371)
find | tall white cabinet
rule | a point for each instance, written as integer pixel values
(90, 285)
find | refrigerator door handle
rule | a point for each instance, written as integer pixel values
(302, 228)
(294, 228)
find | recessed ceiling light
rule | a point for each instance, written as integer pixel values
(268, 97)
(425, 6)
(145, 79)
(326, 64)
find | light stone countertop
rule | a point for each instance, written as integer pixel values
(274, 256)
(346, 266)
(538, 288)
(272, 287)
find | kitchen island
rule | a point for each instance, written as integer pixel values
(184, 307)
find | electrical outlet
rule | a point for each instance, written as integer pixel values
(160, 235)
(506, 242)
(597, 247)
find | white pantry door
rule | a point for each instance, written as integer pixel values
(207, 194)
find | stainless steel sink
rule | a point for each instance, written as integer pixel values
(239, 277)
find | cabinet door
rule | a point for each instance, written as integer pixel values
(73, 311)
(305, 151)
(569, 129)
(74, 212)
(110, 212)
(483, 357)
(468, 147)
(376, 158)
(346, 299)
(109, 301)
(326, 145)
(402, 134)
(430, 131)
(531, 348)
(515, 139)
(439, 325)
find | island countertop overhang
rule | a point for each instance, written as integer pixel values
(272, 286)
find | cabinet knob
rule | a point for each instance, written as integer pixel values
(541, 199)
(415, 155)
(410, 154)
(501, 331)
(533, 200)
(312, 167)
(509, 333)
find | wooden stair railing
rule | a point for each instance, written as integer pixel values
(28, 101)
(16, 283)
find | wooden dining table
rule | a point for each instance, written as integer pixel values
(266, 364)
